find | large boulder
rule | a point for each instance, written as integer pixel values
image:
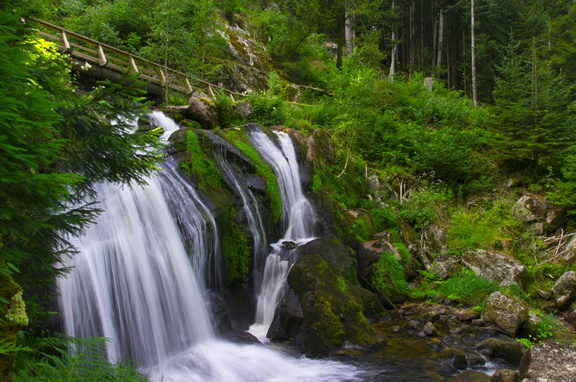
(470, 376)
(332, 303)
(538, 215)
(549, 361)
(505, 312)
(494, 266)
(564, 290)
(203, 111)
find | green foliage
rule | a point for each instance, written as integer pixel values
(235, 248)
(199, 166)
(563, 191)
(225, 110)
(479, 228)
(467, 288)
(423, 206)
(267, 109)
(265, 172)
(389, 276)
(72, 359)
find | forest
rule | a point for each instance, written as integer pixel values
(443, 113)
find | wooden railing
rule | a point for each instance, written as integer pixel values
(102, 55)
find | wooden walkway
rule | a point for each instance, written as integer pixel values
(107, 62)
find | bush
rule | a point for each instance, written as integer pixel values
(467, 288)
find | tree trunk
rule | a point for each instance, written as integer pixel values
(394, 47)
(473, 52)
(349, 32)
(440, 37)
(412, 48)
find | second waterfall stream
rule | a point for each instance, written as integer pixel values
(140, 279)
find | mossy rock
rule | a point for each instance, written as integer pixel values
(333, 305)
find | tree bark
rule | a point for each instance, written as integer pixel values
(440, 37)
(473, 52)
(394, 47)
(349, 32)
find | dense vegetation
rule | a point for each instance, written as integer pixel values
(442, 155)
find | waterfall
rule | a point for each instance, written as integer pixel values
(133, 281)
(124, 286)
(298, 219)
(250, 206)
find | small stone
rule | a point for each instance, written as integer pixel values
(429, 329)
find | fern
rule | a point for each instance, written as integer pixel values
(66, 359)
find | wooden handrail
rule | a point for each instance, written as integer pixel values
(103, 54)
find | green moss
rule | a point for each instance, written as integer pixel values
(199, 166)
(265, 172)
(237, 254)
(341, 284)
(388, 275)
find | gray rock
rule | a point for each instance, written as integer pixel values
(465, 314)
(493, 348)
(429, 329)
(203, 111)
(505, 312)
(243, 108)
(497, 267)
(549, 361)
(537, 214)
(564, 290)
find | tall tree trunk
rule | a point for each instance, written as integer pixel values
(350, 34)
(473, 52)
(340, 36)
(394, 47)
(440, 37)
(412, 48)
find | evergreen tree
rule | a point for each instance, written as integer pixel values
(55, 144)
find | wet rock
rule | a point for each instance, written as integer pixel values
(549, 361)
(287, 318)
(429, 329)
(564, 290)
(494, 266)
(446, 265)
(510, 351)
(333, 307)
(505, 312)
(505, 375)
(465, 314)
(538, 215)
(240, 337)
(470, 376)
(203, 111)
(463, 360)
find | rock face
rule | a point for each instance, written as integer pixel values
(564, 290)
(537, 214)
(505, 312)
(496, 267)
(549, 361)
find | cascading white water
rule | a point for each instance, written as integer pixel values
(125, 287)
(298, 219)
(133, 282)
(249, 207)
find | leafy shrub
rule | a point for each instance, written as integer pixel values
(467, 288)
(424, 205)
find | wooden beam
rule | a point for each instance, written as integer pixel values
(102, 61)
(133, 65)
(65, 44)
